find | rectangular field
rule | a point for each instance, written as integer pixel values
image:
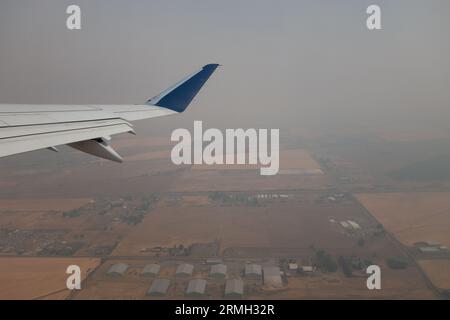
(59, 204)
(438, 271)
(412, 217)
(39, 278)
(281, 225)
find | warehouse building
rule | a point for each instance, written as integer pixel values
(253, 271)
(345, 225)
(429, 249)
(354, 225)
(308, 269)
(272, 277)
(234, 288)
(427, 244)
(118, 269)
(196, 287)
(150, 270)
(159, 287)
(184, 270)
(218, 271)
(293, 266)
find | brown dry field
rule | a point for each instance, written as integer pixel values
(282, 225)
(96, 178)
(149, 156)
(196, 200)
(297, 159)
(209, 180)
(38, 220)
(40, 213)
(412, 216)
(403, 284)
(35, 278)
(142, 142)
(438, 271)
(289, 159)
(43, 204)
(111, 290)
(150, 172)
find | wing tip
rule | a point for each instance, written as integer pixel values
(180, 96)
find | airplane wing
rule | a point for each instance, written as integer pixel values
(88, 128)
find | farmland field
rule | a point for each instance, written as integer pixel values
(437, 271)
(34, 278)
(412, 216)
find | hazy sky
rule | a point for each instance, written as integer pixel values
(285, 63)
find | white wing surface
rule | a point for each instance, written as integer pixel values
(87, 128)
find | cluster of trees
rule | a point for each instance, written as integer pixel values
(346, 266)
(396, 263)
(179, 250)
(325, 261)
(135, 216)
(72, 214)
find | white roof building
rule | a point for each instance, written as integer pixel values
(218, 271)
(150, 270)
(196, 287)
(184, 269)
(307, 268)
(293, 266)
(234, 288)
(272, 277)
(118, 269)
(159, 287)
(353, 224)
(253, 271)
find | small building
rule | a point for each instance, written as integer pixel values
(432, 243)
(427, 244)
(253, 271)
(196, 287)
(184, 270)
(218, 271)
(354, 225)
(150, 270)
(118, 269)
(293, 266)
(356, 263)
(234, 288)
(345, 225)
(272, 277)
(159, 287)
(307, 269)
(429, 249)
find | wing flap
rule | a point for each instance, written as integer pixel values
(13, 141)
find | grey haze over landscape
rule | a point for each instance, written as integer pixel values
(352, 203)
(287, 63)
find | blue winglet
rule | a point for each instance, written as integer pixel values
(178, 97)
